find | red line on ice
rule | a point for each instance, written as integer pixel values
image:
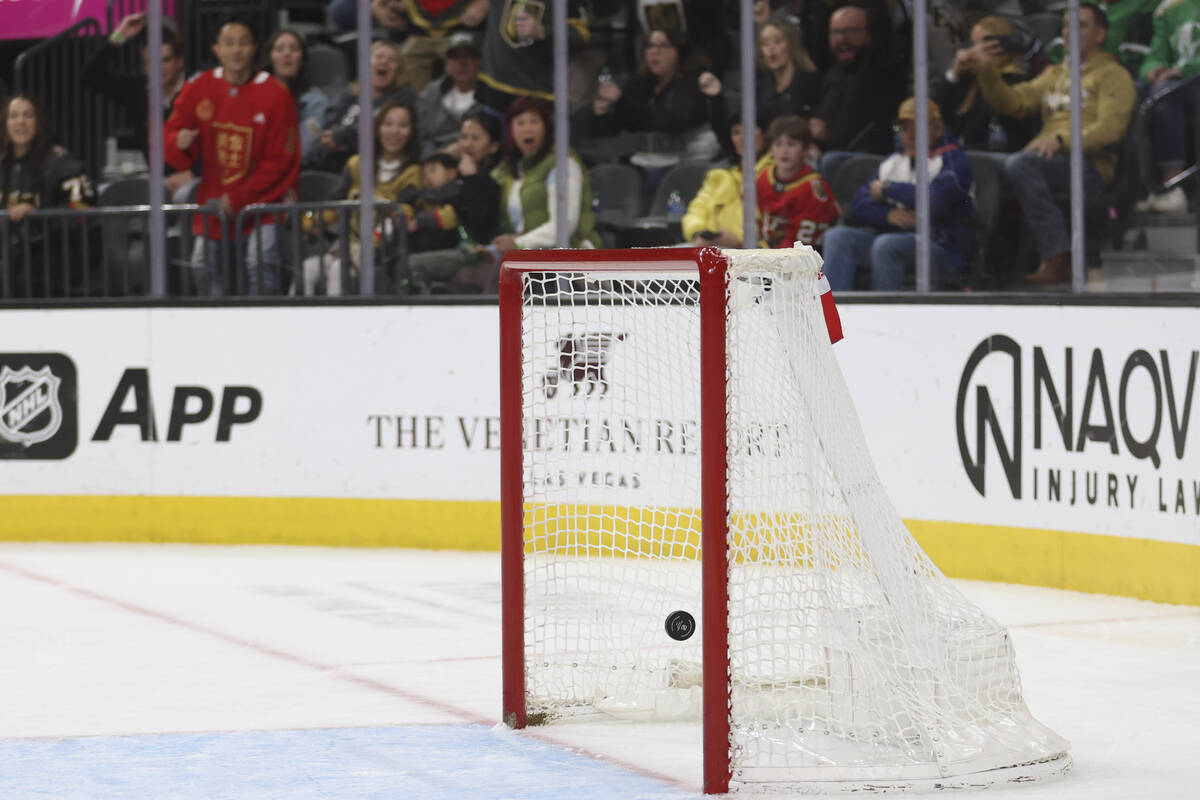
(256, 647)
(297, 660)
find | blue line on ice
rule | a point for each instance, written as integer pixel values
(419, 761)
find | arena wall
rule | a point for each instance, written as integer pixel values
(1040, 444)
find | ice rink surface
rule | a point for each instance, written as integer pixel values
(174, 671)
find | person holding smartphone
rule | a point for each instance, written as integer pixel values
(967, 115)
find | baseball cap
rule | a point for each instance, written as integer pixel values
(460, 39)
(908, 110)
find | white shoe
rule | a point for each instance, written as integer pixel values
(1172, 202)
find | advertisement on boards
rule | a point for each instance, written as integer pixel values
(1060, 418)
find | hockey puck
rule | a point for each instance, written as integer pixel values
(680, 625)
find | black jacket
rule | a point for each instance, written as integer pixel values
(799, 97)
(677, 109)
(58, 181)
(858, 102)
(129, 90)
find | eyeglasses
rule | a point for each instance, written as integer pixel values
(908, 126)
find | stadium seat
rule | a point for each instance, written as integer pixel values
(318, 187)
(617, 194)
(328, 69)
(605, 149)
(683, 178)
(657, 229)
(126, 192)
(849, 178)
(124, 237)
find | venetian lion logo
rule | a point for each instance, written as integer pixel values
(30, 410)
(582, 363)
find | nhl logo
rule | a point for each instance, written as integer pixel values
(30, 411)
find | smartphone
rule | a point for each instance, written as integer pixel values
(1010, 44)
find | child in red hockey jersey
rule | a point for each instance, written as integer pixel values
(794, 202)
(243, 124)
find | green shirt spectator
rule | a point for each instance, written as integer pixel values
(1176, 41)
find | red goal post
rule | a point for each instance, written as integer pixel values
(710, 266)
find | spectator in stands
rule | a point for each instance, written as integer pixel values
(790, 83)
(478, 151)
(794, 202)
(527, 178)
(476, 204)
(1126, 21)
(857, 93)
(886, 207)
(397, 180)
(714, 216)
(949, 27)
(1174, 57)
(518, 56)
(428, 42)
(811, 16)
(35, 174)
(696, 18)
(339, 139)
(441, 104)
(130, 91)
(244, 124)
(424, 28)
(287, 60)
(786, 84)
(967, 116)
(433, 222)
(662, 102)
(1043, 167)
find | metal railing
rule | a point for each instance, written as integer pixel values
(91, 252)
(320, 241)
(50, 71)
(105, 252)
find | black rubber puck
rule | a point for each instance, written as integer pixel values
(680, 625)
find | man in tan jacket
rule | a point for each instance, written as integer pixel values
(1043, 167)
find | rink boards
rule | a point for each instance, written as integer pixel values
(1052, 445)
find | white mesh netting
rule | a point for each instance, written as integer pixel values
(852, 660)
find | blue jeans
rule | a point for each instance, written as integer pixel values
(262, 264)
(1035, 180)
(889, 256)
(1169, 125)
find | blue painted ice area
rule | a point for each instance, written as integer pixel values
(419, 761)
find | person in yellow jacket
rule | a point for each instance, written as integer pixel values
(1043, 167)
(714, 217)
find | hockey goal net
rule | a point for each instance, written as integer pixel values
(676, 435)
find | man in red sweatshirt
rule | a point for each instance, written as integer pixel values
(242, 123)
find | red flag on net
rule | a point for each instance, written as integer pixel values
(833, 323)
